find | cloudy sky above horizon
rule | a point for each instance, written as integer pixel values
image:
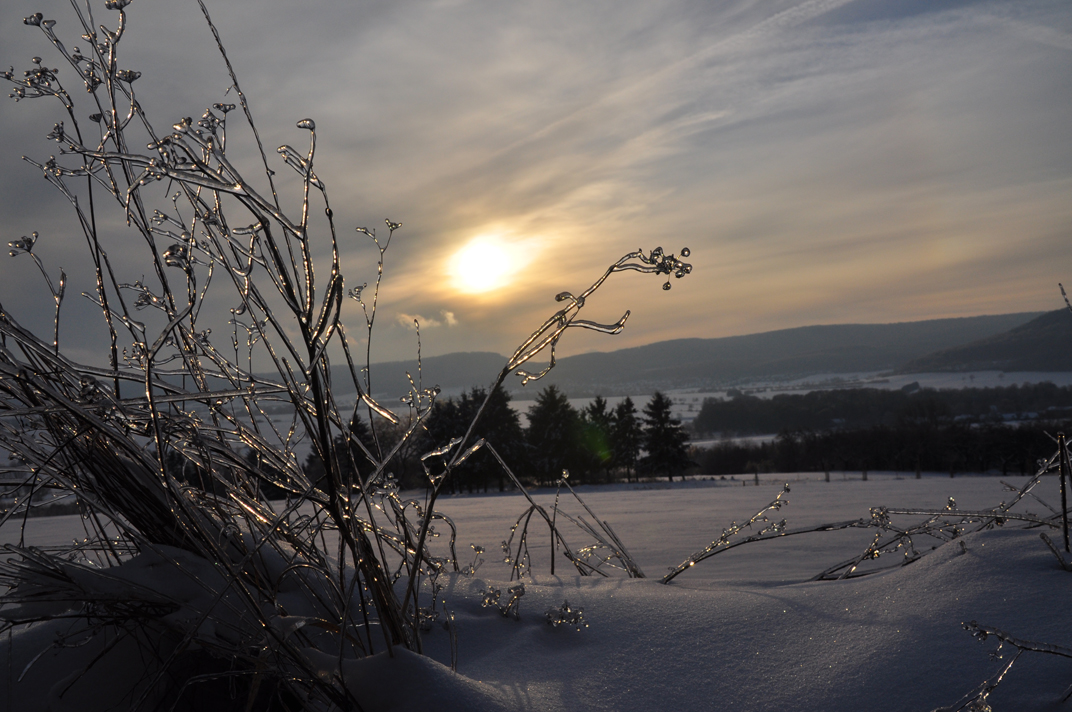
(826, 161)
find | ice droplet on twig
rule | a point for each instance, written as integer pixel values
(23, 244)
(565, 615)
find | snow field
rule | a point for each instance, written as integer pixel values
(744, 630)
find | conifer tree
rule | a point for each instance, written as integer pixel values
(552, 435)
(353, 461)
(499, 425)
(665, 441)
(626, 437)
(595, 437)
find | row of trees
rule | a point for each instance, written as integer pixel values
(856, 408)
(596, 443)
(600, 443)
(904, 447)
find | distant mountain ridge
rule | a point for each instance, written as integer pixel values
(712, 363)
(786, 353)
(1042, 344)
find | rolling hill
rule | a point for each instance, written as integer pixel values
(1042, 344)
(703, 363)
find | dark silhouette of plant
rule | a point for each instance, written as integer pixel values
(172, 447)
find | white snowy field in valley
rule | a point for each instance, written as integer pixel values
(744, 630)
(687, 402)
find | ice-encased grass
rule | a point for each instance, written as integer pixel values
(168, 445)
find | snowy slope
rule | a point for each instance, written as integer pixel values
(745, 630)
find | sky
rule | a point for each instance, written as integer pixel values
(826, 161)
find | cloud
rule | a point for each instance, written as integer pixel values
(447, 318)
(824, 160)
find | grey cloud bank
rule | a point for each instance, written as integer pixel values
(826, 161)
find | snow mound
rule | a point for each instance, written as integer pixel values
(409, 681)
(889, 641)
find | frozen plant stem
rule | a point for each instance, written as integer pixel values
(546, 338)
(977, 698)
(1065, 473)
(171, 449)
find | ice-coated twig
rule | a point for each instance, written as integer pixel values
(566, 615)
(511, 607)
(977, 698)
(478, 559)
(943, 525)
(723, 541)
(1064, 562)
(605, 534)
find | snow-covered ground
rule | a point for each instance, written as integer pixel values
(745, 630)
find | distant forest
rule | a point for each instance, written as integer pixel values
(868, 407)
(953, 448)
(1004, 430)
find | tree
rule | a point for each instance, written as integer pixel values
(499, 425)
(268, 475)
(405, 465)
(596, 424)
(552, 435)
(447, 420)
(665, 441)
(353, 462)
(626, 437)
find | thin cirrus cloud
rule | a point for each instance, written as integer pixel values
(825, 161)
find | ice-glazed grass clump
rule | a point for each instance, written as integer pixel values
(168, 448)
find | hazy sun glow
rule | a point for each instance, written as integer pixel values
(482, 264)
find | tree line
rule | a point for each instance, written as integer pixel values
(852, 429)
(862, 408)
(597, 443)
(903, 447)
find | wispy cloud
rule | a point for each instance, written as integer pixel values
(825, 160)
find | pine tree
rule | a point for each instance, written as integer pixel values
(446, 421)
(665, 441)
(353, 462)
(596, 450)
(552, 435)
(626, 437)
(499, 425)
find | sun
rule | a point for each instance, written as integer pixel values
(482, 264)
